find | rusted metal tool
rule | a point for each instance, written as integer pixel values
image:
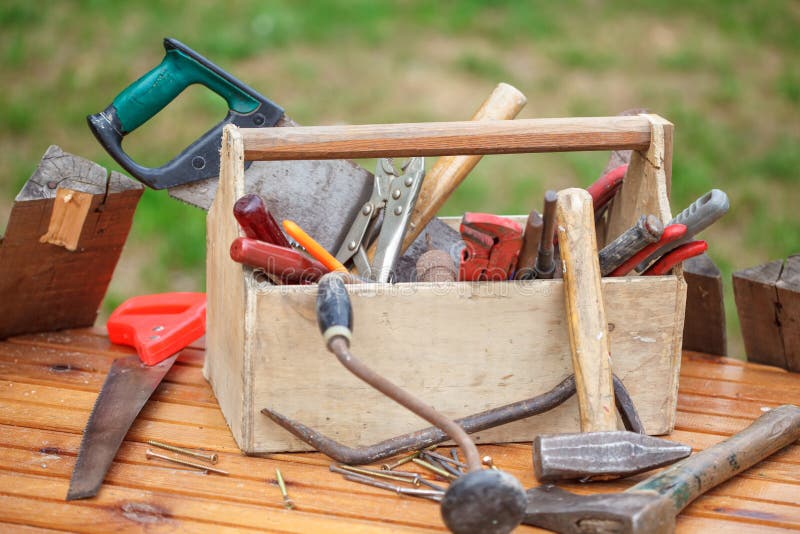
(599, 448)
(526, 262)
(651, 505)
(545, 266)
(670, 234)
(493, 243)
(647, 230)
(471, 424)
(480, 501)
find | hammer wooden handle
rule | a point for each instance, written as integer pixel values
(586, 317)
(449, 171)
(447, 138)
(685, 481)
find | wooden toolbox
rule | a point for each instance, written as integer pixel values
(463, 347)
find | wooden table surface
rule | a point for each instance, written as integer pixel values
(48, 384)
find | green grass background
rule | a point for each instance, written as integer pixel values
(726, 73)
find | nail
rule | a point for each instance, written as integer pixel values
(414, 479)
(287, 502)
(150, 454)
(406, 459)
(454, 454)
(425, 494)
(443, 458)
(438, 470)
(487, 460)
(180, 450)
(438, 463)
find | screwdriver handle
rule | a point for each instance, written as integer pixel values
(334, 311)
(257, 222)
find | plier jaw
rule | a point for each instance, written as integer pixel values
(394, 194)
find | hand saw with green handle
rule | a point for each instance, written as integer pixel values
(159, 326)
(323, 197)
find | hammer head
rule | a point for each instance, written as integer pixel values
(624, 513)
(601, 455)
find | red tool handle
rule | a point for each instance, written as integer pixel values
(683, 252)
(158, 326)
(257, 222)
(288, 264)
(671, 233)
(604, 189)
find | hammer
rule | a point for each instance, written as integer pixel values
(599, 451)
(651, 505)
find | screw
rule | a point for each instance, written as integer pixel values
(401, 461)
(180, 450)
(435, 495)
(150, 454)
(287, 502)
(438, 470)
(487, 460)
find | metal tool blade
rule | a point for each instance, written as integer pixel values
(125, 391)
(321, 196)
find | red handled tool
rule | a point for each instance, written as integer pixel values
(290, 265)
(493, 244)
(671, 233)
(604, 189)
(671, 259)
(159, 326)
(257, 222)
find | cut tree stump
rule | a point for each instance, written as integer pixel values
(768, 303)
(44, 285)
(704, 326)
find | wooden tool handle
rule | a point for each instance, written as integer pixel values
(690, 478)
(586, 316)
(449, 171)
(447, 138)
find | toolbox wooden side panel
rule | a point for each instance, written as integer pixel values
(463, 347)
(227, 307)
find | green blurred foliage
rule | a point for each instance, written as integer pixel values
(726, 74)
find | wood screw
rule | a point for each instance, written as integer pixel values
(150, 454)
(180, 450)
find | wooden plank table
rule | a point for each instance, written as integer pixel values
(48, 384)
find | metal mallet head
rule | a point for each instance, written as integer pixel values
(601, 455)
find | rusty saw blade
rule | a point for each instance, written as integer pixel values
(125, 391)
(322, 196)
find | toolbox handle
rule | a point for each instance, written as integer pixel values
(448, 138)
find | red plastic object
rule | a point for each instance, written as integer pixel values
(604, 189)
(671, 233)
(670, 260)
(158, 326)
(291, 266)
(493, 244)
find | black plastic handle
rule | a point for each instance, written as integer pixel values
(181, 67)
(334, 312)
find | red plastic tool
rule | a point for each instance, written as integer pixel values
(288, 264)
(159, 325)
(492, 247)
(604, 189)
(671, 233)
(257, 222)
(671, 259)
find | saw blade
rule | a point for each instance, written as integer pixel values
(125, 391)
(321, 196)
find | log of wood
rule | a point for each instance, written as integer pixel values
(45, 286)
(768, 302)
(704, 325)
